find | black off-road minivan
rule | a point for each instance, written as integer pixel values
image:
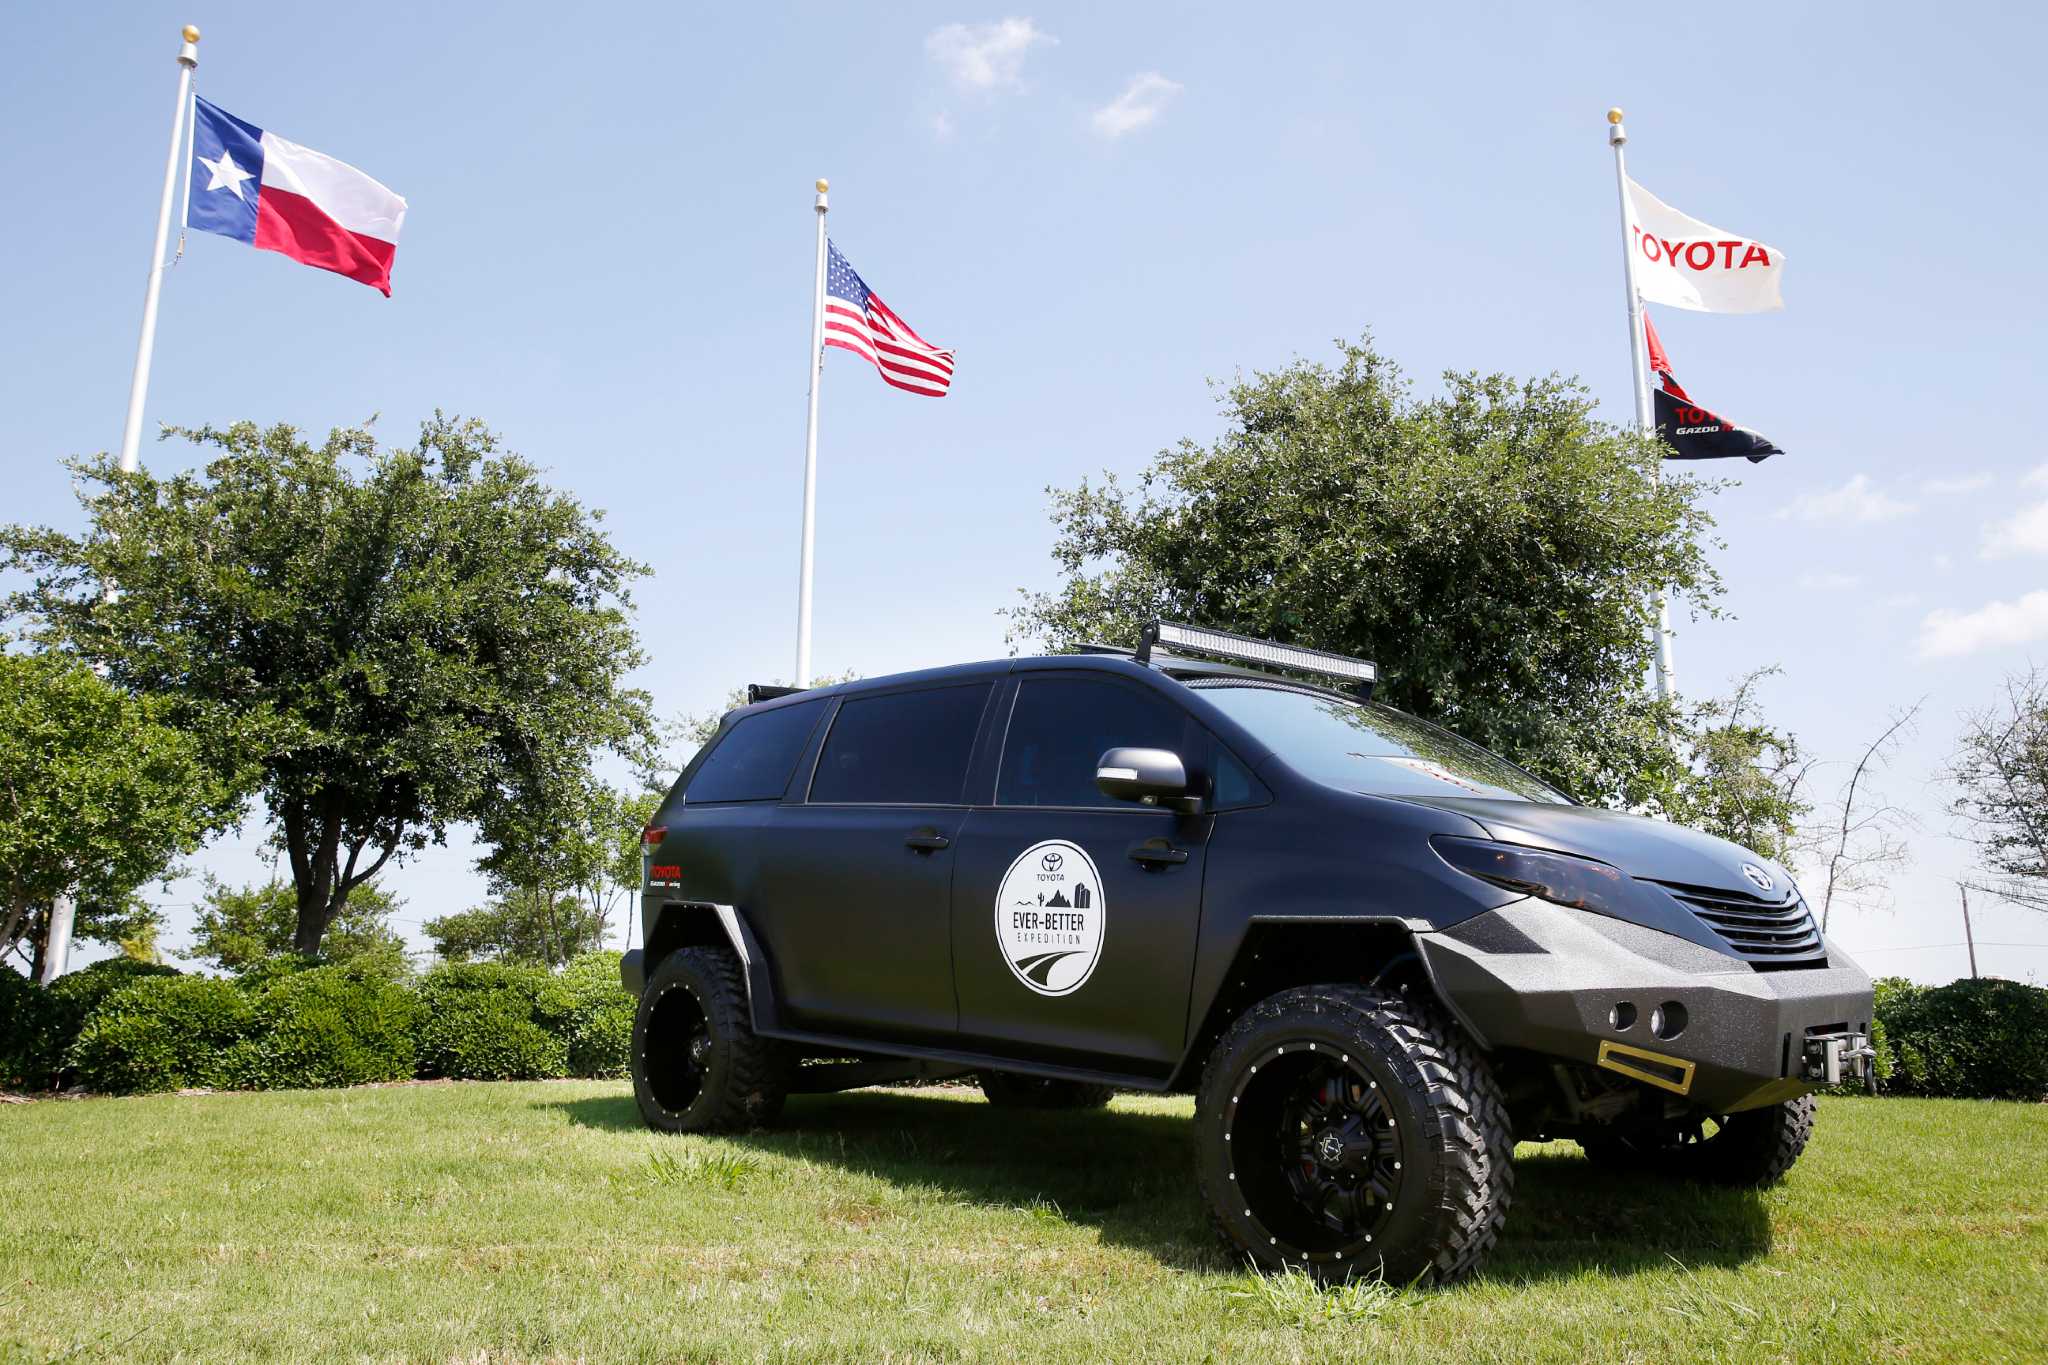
(1376, 954)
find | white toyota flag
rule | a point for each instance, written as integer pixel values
(1689, 264)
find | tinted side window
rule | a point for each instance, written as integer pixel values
(1061, 726)
(904, 749)
(754, 760)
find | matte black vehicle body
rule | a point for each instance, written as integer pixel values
(1688, 980)
(864, 939)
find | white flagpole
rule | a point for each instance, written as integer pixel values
(138, 388)
(803, 586)
(1667, 675)
(64, 908)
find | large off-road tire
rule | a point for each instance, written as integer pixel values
(1009, 1090)
(1349, 1131)
(1751, 1149)
(697, 1066)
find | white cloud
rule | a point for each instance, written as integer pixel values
(1944, 634)
(2023, 533)
(1899, 601)
(1962, 483)
(942, 125)
(985, 57)
(1140, 103)
(1854, 501)
(1829, 582)
(2036, 477)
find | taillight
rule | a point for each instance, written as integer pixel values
(653, 835)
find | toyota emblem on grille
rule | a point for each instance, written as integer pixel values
(1761, 878)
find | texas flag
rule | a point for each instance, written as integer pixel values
(256, 187)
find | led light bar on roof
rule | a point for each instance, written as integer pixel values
(1224, 644)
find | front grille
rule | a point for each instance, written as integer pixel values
(1769, 935)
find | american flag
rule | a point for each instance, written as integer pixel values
(857, 320)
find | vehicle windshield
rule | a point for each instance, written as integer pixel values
(1368, 747)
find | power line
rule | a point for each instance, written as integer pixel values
(1923, 947)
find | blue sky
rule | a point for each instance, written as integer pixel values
(607, 256)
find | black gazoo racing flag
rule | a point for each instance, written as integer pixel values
(1694, 432)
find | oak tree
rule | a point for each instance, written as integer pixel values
(1496, 548)
(98, 796)
(380, 642)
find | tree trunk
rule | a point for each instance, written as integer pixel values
(16, 913)
(39, 931)
(313, 839)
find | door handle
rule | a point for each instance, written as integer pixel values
(1158, 853)
(927, 841)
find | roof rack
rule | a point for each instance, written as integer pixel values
(770, 691)
(1225, 644)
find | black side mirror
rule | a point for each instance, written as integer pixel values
(1155, 777)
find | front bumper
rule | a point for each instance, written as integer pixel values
(1652, 1007)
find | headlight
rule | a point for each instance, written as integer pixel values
(1580, 883)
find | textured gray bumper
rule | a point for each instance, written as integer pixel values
(1555, 981)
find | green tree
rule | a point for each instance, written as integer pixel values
(98, 796)
(241, 926)
(562, 865)
(543, 928)
(1735, 775)
(382, 642)
(2000, 770)
(1496, 549)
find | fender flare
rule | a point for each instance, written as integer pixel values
(683, 924)
(1409, 931)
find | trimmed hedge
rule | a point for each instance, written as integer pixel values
(601, 1028)
(124, 1026)
(294, 1023)
(26, 1023)
(486, 1021)
(326, 1026)
(163, 1033)
(38, 1026)
(1972, 1039)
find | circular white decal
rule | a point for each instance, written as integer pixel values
(1049, 917)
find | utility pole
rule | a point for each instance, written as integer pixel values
(1969, 939)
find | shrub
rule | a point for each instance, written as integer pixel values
(38, 1025)
(601, 1025)
(260, 975)
(28, 1023)
(326, 1026)
(1973, 1039)
(162, 1033)
(489, 1021)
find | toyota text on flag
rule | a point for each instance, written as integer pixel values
(1693, 432)
(1689, 264)
(856, 320)
(263, 190)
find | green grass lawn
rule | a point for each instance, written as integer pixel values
(541, 1222)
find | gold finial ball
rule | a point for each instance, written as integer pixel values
(191, 33)
(1614, 115)
(824, 185)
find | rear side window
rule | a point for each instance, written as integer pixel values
(755, 758)
(903, 749)
(1061, 726)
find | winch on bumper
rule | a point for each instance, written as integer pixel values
(1651, 1006)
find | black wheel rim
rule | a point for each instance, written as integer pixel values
(1316, 1150)
(678, 1050)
